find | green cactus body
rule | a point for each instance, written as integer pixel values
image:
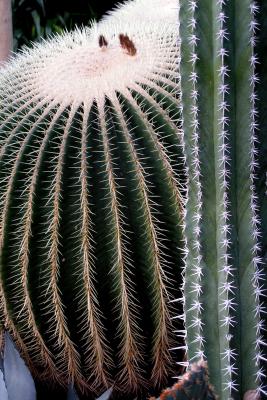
(261, 183)
(91, 209)
(222, 279)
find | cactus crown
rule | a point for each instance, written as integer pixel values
(93, 63)
(158, 11)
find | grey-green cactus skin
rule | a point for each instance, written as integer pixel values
(91, 215)
(223, 280)
(261, 48)
(261, 182)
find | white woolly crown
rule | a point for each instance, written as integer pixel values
(145, 10)
(89, 64)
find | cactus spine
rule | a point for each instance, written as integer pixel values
(222, 288)
(91, 210)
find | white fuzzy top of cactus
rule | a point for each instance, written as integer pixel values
(74, 67)
(145, 10)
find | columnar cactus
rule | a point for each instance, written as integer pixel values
(261, 183)
(223, 281)
(91, 205)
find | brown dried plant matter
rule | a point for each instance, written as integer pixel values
(102, 41)
(127, 44)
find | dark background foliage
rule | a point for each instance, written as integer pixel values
(33, 19)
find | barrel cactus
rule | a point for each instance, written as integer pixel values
(223, 288)
(91, 206)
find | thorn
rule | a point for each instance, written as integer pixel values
(127, 44)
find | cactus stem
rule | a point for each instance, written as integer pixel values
(163, 340)
(69, 355)
(29, 325)
(131, 352)
(219, 118)
(9, 325)
(171, 175)
(17, 132)
(225, 285)
(159, 276)
(192, 284)
(260, 373)
(97, 353)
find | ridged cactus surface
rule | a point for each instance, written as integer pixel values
(223, 289)
(91, 205)
(261, 182)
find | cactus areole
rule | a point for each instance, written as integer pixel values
(90, 206)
